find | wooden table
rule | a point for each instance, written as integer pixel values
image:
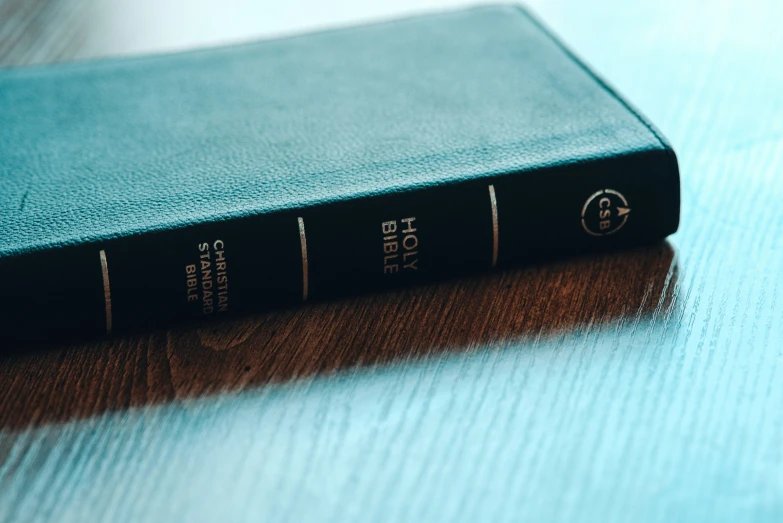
(640, 386)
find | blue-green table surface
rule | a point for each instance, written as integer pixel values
(643, 386)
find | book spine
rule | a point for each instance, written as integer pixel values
(217, 269)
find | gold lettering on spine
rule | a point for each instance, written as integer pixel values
(221, 268)
(207, 279)
(305, 268)
(106, 290)
(493, 201)
(191, 282)
(391, 246)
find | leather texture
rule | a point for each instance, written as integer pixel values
(105, 149)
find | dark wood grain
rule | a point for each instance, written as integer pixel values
(86, 380)
(644, 385)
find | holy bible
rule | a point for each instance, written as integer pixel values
(138, 192)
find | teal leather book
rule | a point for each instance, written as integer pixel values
(138, 192)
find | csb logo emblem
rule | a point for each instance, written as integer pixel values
(605, 212)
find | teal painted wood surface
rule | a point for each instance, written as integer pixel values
(643, 386)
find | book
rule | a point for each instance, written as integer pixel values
(139, 192)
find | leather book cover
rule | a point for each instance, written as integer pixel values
(139, 191)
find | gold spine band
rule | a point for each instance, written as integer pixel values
(305, 268)
(493, 201)
(106, 290)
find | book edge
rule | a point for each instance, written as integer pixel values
(674, 172)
